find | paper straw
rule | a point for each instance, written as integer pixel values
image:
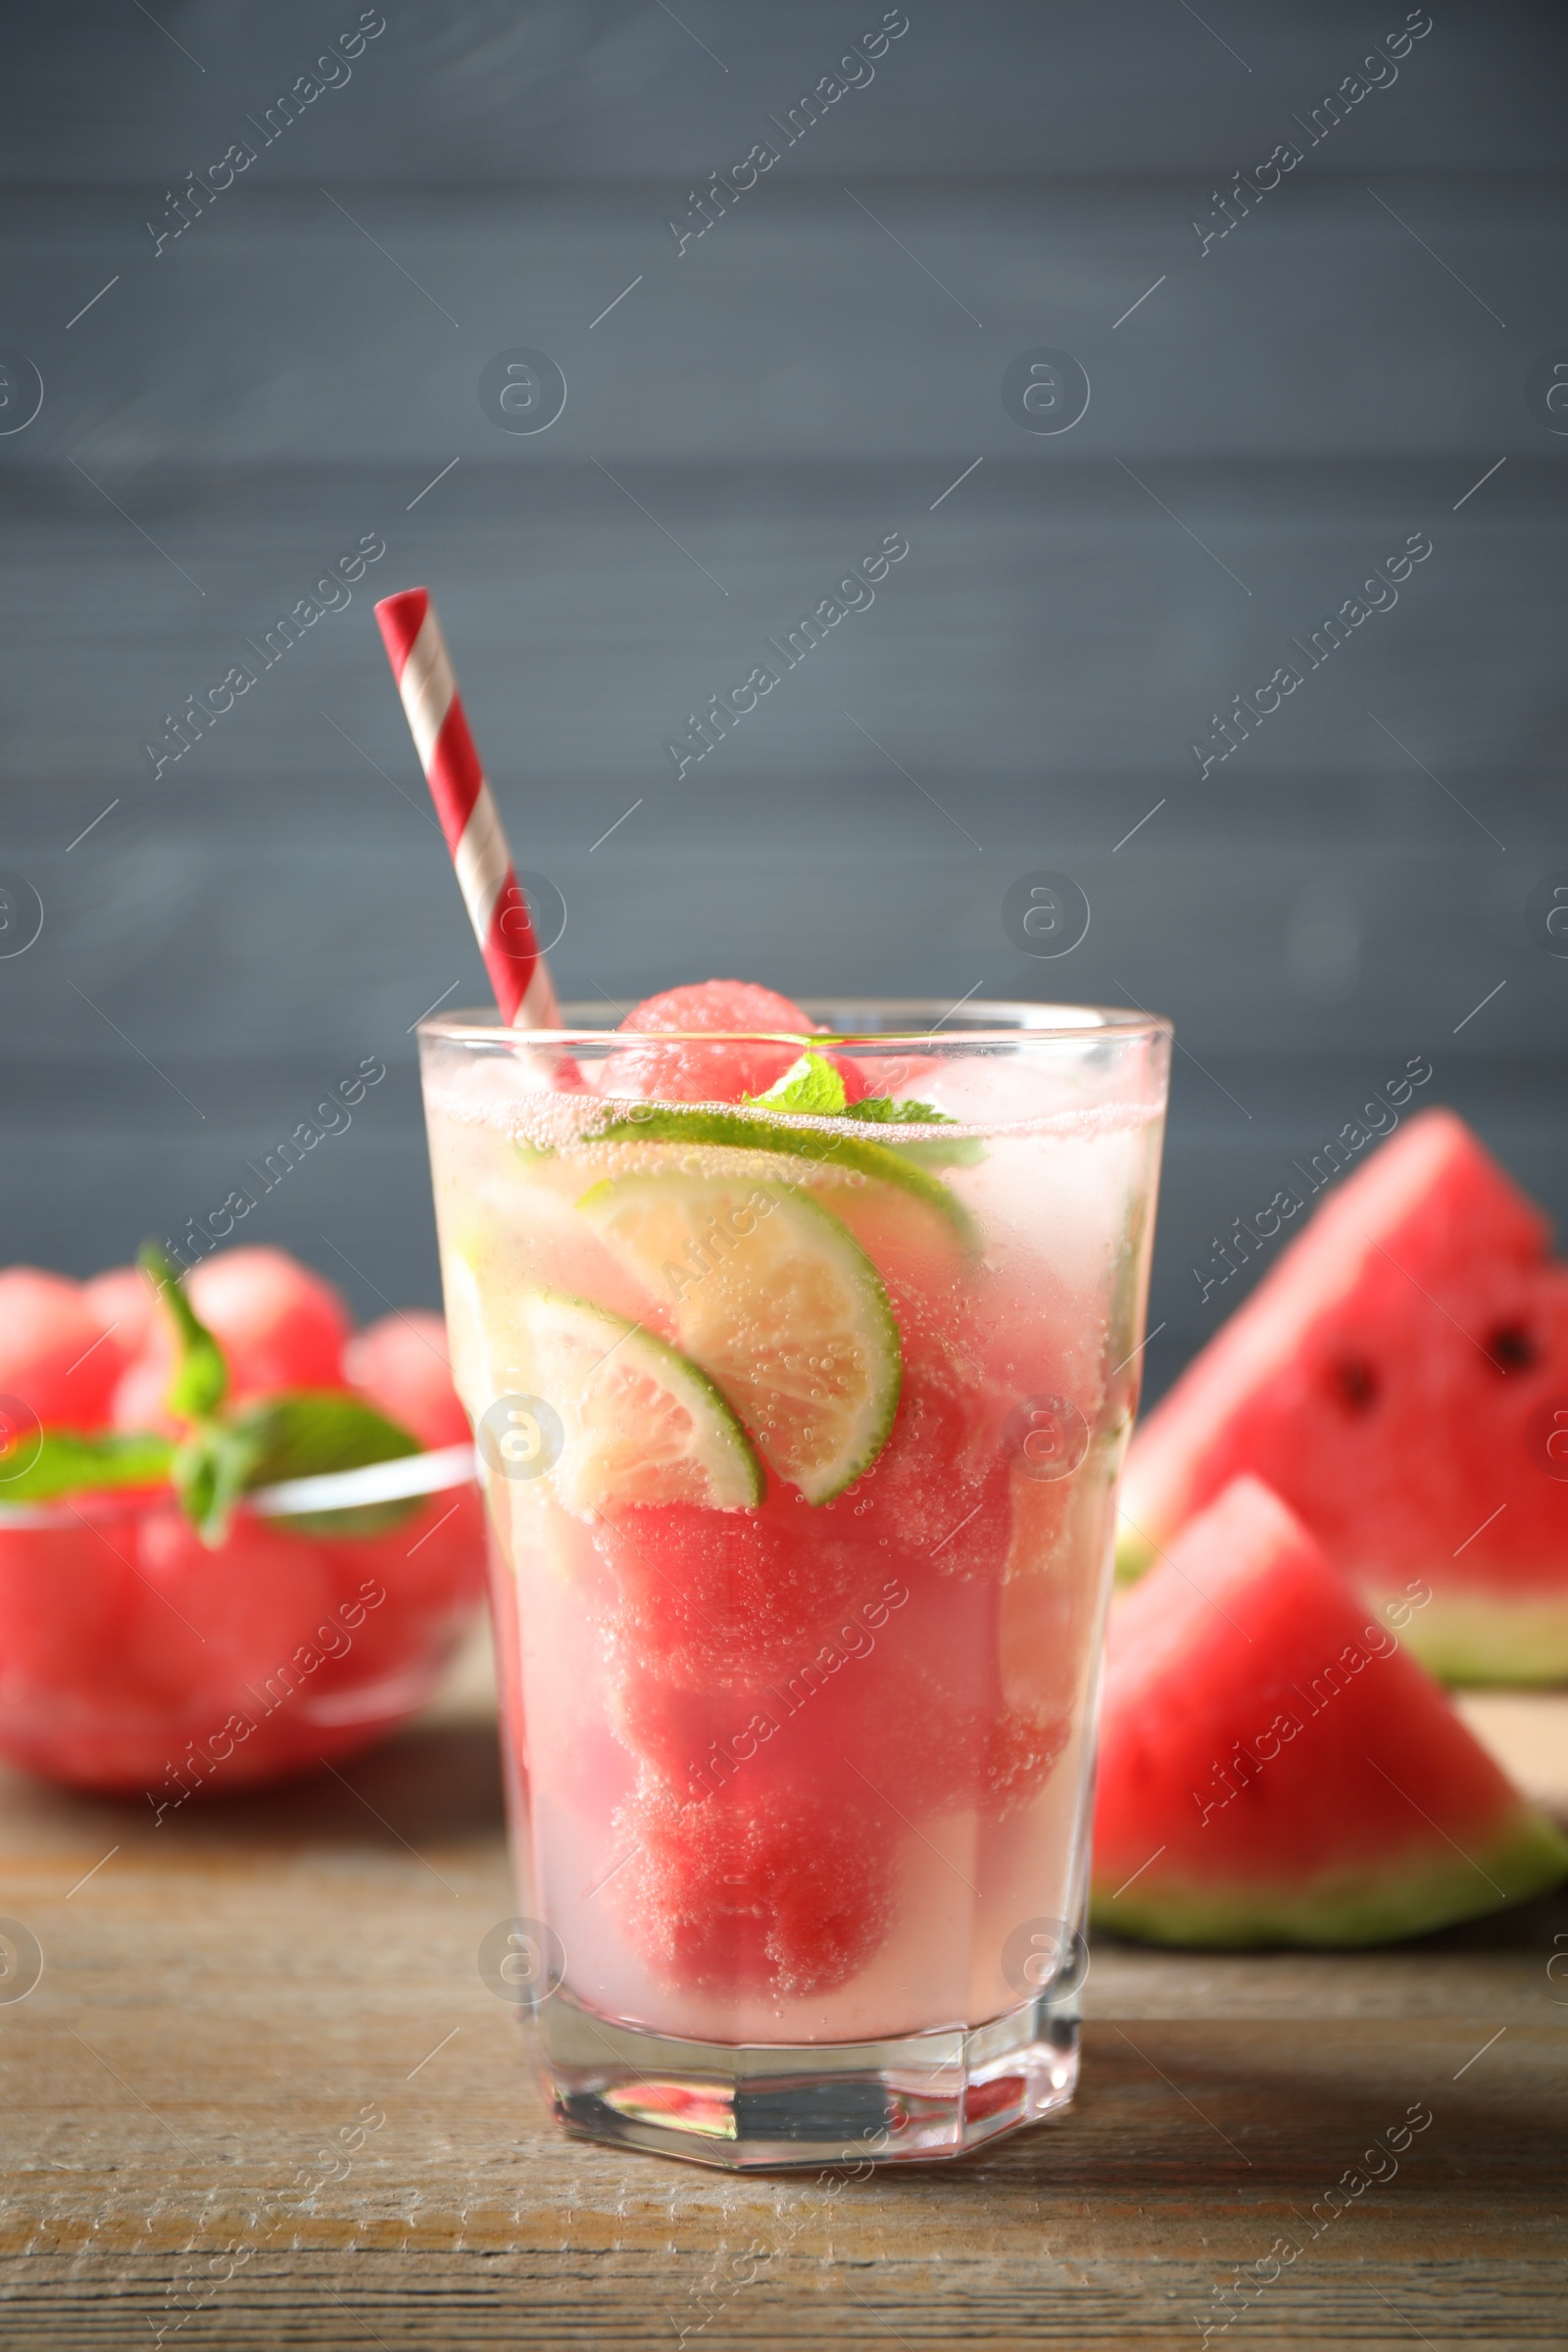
(497, 908)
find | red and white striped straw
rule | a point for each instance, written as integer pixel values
(469, 819)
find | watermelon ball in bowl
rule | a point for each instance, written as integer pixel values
(267, 1576)
(280, 1326)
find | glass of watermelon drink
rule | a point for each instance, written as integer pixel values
(802, 1346)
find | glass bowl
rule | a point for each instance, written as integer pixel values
(135, 1659)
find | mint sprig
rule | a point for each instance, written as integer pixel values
(881, 1110)
(813, 1087)
(300, 1433)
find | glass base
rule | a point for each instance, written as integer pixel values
(917, 2098)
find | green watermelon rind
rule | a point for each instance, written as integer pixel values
(1383, 1903)
(1482, 1638)
(1136, 1553)
(1479, 1639)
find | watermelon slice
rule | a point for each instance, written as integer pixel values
(1275, 1769)
(1395, 1378)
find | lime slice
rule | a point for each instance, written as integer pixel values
(750, 1128)
(777, 1301)
(640, 1422)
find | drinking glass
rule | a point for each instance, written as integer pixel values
(799, 1773)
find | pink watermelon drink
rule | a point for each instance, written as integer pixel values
(802, 1365)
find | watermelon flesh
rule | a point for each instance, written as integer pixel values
(1394, 1378)
(1274, 1768)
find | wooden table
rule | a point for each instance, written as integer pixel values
(225, 1993)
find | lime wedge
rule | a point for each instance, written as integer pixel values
(640, 1422)
(776, 1300)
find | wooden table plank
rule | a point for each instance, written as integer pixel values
(229, 1989)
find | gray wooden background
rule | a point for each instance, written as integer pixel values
(227, 414)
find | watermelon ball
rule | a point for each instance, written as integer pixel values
(1005, 1756)
(669, 1730)
(210, 1622)
(929, 1739)
(943, 1754)
(66, 1601)
(428, 1572)
(710, 1597)
(121, 1298)
(843, 1693)
(66, 1712)
(139, 1674)
(773, 1886)
(54, 1358)
(936, 1494)
(279, 1325)
(400, 1366)
(691, 1742)
(121, 1645)
(689, 1073)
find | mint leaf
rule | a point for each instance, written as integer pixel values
(927, 1151)
(811, 1086)
(885, 1112)
(201, 1375)
(307, 1432)
(302, 1433)
(814, 1086)
(70, 1461)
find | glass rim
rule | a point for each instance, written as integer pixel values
(984, 1021)
(433, 1471)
